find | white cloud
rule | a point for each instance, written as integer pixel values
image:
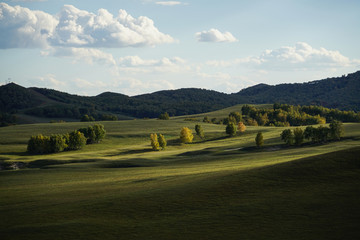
(303, 56)
(168, 3)
(214, 35)
(23, 28)
(88, 55)
(135, 64)
(78, 28)
(299, 57)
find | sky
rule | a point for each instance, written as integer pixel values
(133, 47)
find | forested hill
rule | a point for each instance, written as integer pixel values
(341, 92)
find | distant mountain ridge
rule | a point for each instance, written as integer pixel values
(340, 92)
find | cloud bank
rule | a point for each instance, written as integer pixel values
(299, 57)
(214, 35)
(24, 28)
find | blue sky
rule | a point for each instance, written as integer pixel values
(141, 46)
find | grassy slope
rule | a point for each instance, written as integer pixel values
(205, 190)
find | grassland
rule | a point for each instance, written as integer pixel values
(218, 188)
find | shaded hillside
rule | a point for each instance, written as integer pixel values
(341, 92)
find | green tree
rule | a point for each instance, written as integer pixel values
(57, 143)
(154, 142)
(236, 116)
(199, 131)
(298, 136)
(259, 139)
(186, 135)
(76, 140)
(99, 132)
(287, 136)
(231, 129)
(336, 130)
(309, 133)
(162, 141)
(39, 144)
(164, 116)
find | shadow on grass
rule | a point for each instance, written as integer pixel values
(49, 162)
(130, 163)
(133, 151)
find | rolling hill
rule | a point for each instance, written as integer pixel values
(39, 104)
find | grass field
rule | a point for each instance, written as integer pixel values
(220, 188)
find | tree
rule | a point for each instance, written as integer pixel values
(241, 127)
(39, 144)
(199, 131)
(287, 136)
(309, 133)
(336, 130)
(231, 129)
(76, 140)
(99, 132)
(164, 116)
(186, 135)
(259, 139)
(87, 118)
(236, 116)
(154, 142)
(57, 143)
(162, 141)
(298, 136)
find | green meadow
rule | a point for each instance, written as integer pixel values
(216, 188)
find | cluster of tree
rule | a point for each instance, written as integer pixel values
(330, 114)
(99, 117)
(281, 115)
(75, 140)
(157, 141)
(164, 116)
(320, 134)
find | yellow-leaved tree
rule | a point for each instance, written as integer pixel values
(186, 135)
(241, 127)
(154, 142)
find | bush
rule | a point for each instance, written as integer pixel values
(231, 129)
(186, 135)
(154, 142)
(259, 139)
(162, 141)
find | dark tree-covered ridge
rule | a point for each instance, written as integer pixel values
(340, 92)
